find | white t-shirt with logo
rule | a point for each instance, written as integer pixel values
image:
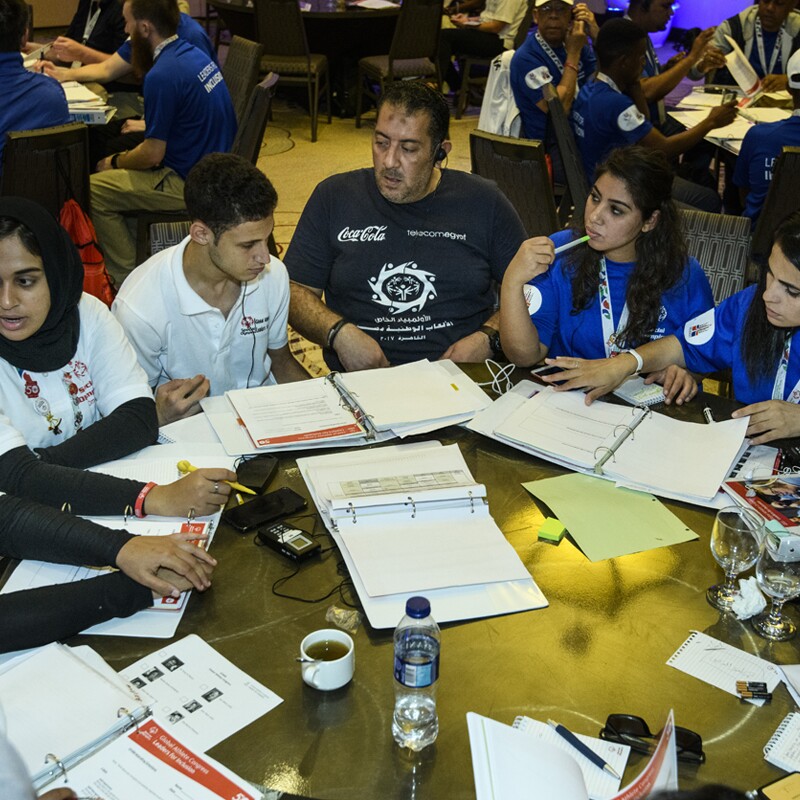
(177, 334)
(41, 409)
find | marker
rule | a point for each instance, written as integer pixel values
(185, 467)
(708, 415)
(574, 243)
(583, 749)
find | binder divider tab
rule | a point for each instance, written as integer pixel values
(626, 431)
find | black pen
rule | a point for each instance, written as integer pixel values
(583, 749)
(708, 415)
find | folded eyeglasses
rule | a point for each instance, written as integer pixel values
(631, 730)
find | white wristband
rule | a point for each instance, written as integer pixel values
(639, 361)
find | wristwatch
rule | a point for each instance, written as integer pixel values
(494, 340)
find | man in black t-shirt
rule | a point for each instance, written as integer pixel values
(408, 254)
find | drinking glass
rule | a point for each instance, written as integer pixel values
(778, 574)
(735, 542)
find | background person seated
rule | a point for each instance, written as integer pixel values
(767, 33)
(762, 145)
(188, 113)
(209, 314)
(30, 100)
(611, 111)
(494, 32)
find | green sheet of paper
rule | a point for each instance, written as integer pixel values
(606, 522)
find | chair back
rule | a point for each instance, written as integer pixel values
(577, 185)
(780, 201)
(519, 169)
(416, 34)
(48, 165)
(250, 134)
(524, 26)
(280, 28)
(167, 234)
(240, 72)
(721, 243)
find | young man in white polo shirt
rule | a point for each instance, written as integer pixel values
(214, 306)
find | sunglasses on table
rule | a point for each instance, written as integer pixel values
(633, 731)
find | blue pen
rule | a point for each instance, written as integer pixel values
(583, 749)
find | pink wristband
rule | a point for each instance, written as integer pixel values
(138, 506)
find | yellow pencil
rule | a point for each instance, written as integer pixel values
(185, 467)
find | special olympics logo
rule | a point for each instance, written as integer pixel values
(403, 288)
(248, 323)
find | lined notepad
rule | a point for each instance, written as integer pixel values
(721, 665)
(783, 749)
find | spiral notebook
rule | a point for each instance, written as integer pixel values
(783, 749)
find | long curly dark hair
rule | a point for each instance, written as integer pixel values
(762, 342)
(661, 252)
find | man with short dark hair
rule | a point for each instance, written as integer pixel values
(30, 100)
(611, 111)
(188, 113)
(215, 305)
(408, 253)
(762, 145)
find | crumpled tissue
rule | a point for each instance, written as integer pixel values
(749, 601)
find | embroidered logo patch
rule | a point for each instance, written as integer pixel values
(630, 119)
(700, 329)
(538, 77)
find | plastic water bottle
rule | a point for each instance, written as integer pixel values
(416, 668)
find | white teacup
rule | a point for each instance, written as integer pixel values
(328, 659)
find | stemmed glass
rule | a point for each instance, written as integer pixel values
(778, 574)
(735, 542)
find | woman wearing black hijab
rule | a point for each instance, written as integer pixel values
(71, 392)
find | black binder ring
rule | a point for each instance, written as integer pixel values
(66, 508)
(471, 502)
(128, 512)
(51, 758)
(413, 506)
(351, 509)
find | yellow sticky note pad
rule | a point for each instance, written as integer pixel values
(552, 530)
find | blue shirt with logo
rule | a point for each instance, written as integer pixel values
(187, 105)
(761, 146)
(532, 56)
(580, 334)
(604, 119)
(713, 341)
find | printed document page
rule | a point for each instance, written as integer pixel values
(294, 412)
(200, 696)
(150, 762)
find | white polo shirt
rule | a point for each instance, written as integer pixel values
(177, 334)
(41, 409)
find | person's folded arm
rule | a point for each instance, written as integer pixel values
(148, 154)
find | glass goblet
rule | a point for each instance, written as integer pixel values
(735, 542)
(778, 574)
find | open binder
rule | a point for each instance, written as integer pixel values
(343, 409)
(410, 519)
(636, 447)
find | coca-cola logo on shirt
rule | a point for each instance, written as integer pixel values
(372, 233)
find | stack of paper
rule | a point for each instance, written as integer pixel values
(85, 106)
(410, 519)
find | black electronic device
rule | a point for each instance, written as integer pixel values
(256, 473)
(290, 542)
(264, 509)
(537, 373)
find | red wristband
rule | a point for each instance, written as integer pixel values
(570, 65)
(138, 506)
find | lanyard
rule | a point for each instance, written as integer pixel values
(157, 51)
(610, 335)
(780, 379)
(557, 62)
(91, 20)
(776, 49)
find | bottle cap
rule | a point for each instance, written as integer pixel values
(418, 607)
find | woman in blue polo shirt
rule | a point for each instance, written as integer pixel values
(630, 283)
(751, 333)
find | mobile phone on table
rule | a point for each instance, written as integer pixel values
(548, 370)
(264, 509)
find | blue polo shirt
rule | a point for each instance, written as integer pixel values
(189, 30)
(30, 100)
(187, 105)
(713, 341)
(603, 118)
(529, 57)
(761, 146)
(580, 334)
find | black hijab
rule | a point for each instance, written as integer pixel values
(54, 344)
